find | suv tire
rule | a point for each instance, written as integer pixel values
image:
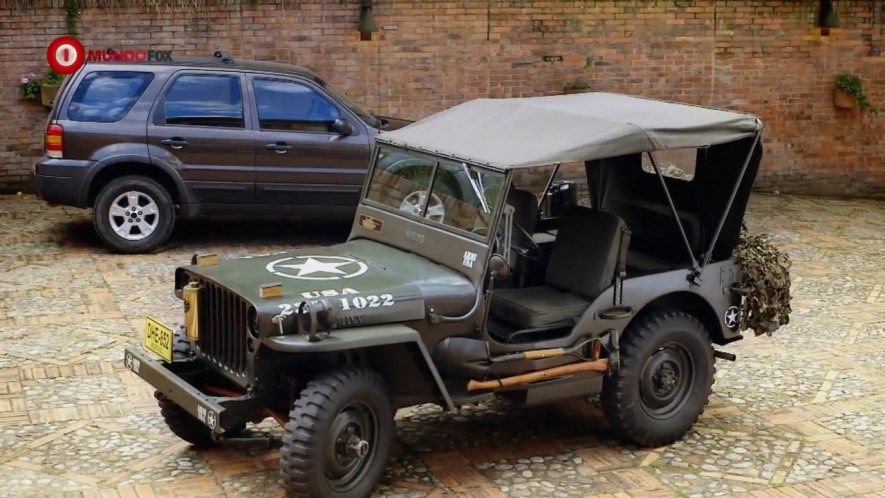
(338, 436)
(664, 381)
(133, 214)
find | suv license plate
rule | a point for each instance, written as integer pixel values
(158, 339)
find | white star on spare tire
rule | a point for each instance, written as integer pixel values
(317, 267)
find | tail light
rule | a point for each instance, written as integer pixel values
(54, 141)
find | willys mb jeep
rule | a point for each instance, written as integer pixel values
(452, 288)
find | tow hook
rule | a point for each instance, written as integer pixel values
(723, 355)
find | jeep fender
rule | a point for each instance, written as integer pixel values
(710, 299)
(372, 339)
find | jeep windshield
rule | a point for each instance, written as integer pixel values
(442, 192)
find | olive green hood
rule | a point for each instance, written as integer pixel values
(368, 282)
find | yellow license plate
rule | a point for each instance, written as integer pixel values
(158, 338)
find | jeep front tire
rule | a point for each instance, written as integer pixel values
(338, 436)
(133, 214)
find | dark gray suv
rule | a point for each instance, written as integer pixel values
(144, 144)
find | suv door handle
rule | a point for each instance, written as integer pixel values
(174, 142)
(279, 147)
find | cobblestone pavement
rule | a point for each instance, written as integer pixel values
(799, 414)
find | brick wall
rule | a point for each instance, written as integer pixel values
(761, 56)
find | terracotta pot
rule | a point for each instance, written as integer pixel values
(48, 93)
(843, 99)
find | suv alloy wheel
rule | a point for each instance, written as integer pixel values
(133, 214)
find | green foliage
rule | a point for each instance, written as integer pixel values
(53, 78)
(30, 83)
(852, 84)
(30, 86)
(72, 14)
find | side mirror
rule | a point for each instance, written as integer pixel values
(499, 266)
(341, 127)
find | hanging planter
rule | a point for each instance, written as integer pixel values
(849, 93)
(843, 99)
(49, 87)
(48, 93)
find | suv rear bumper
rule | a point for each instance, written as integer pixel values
(62, 181)
(219, 414)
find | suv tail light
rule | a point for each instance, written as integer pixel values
(54, 141)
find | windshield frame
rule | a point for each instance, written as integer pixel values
(496, 208)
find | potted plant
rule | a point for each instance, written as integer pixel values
(849, 93)
(30, 86)
(576, 86)
(49, 87)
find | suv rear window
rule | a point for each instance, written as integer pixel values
(106, 96)
(205, 100)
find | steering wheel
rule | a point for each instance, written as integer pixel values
(436, 210)
(532, 252)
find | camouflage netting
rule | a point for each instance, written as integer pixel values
(764, 285)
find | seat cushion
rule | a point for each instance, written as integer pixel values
(532, 307)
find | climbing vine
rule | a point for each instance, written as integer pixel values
(73, 9)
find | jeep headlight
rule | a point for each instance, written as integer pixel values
(314, 315)
(190, 294)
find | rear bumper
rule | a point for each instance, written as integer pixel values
(219, 414)
(62, 181)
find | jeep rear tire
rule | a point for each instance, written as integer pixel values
(133, 214)
(664, 381)
(338, 436)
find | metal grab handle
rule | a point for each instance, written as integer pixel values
(174, 142)
(279, 147)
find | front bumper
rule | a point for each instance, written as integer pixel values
(219, 414)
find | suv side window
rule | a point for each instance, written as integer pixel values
(291, 106)
(205, 100)
(107, 96)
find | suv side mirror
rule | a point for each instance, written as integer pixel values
(341, 127)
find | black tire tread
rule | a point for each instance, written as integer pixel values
(302, 433)
(616, 401)
(183, 424)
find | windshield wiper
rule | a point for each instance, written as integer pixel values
(476, 189)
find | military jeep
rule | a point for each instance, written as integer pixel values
(454, 287)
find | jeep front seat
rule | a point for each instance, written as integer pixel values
(586, 254)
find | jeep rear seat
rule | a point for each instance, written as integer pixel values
(655, 243)
(582, 265)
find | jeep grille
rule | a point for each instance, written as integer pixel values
(223, 328)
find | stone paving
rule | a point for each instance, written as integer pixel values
(799, 414)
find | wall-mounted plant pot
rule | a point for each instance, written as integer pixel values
(568, 90)
(48, 93)
(843, 99)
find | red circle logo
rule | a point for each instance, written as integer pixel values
(65, 54)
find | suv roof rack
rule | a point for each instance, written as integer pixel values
(224, 56)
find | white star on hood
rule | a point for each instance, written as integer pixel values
(312, 266)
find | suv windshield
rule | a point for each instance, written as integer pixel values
(461, 196)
